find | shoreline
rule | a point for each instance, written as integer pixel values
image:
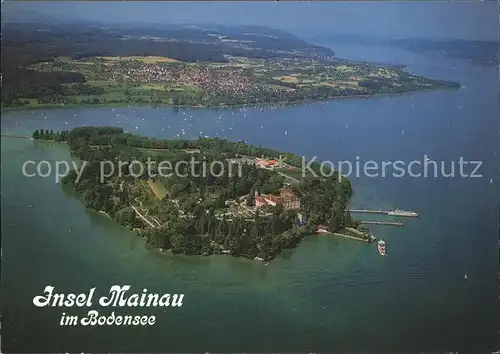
(13, 136)
(138, 231)
(249, 105)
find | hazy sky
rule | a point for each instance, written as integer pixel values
(469, 20)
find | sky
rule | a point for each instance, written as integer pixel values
(466, 20)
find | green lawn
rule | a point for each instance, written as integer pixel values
(158, 189)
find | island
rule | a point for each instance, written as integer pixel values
(54, 65)
(256, 203)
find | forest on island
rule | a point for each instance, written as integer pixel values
(190, 218)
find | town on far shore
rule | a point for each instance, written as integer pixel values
(184, 67)
(242, 81)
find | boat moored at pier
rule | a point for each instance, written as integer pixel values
(398, 212)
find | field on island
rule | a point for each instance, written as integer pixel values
(289, 78)
(278, 87)
(158, 189)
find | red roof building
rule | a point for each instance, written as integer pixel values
(259, 201)
(321, 229)
(287, 199)
(266, 163)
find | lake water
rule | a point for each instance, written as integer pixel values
(329, 293)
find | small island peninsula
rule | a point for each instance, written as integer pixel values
(251, 204)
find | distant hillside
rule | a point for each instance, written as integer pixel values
(482, 52)
(325, 37)
(29, 42)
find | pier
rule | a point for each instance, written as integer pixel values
(391, 223)
(396, 212)
(354, 234)
(368, 211)
(353, 237)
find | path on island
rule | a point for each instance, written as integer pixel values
(142, 217)
(146, 212)
(287, 176)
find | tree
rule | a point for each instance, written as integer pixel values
(250, 200)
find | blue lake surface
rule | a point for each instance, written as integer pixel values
(329, 293)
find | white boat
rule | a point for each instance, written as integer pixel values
(381, 247)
